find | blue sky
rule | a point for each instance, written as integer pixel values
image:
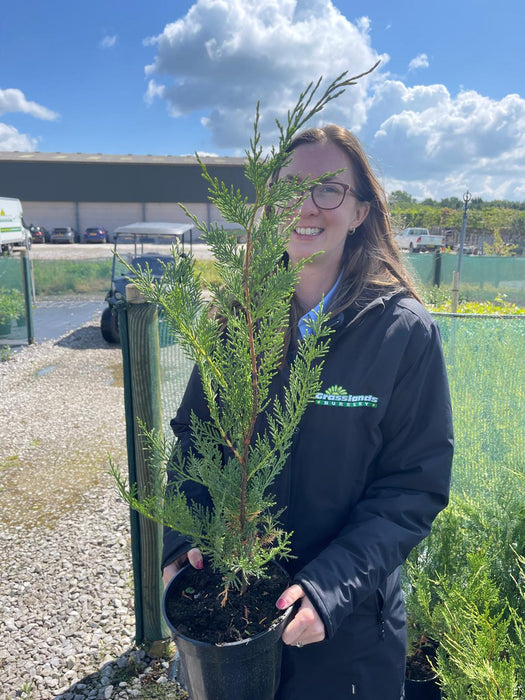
(444, 112)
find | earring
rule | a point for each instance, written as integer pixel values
(351, 231)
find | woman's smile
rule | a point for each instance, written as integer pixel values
(308, 232)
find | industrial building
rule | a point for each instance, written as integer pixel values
(87, 190)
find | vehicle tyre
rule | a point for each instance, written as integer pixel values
(109, 325)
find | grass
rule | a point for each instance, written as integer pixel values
(61, 277)
(58, 277)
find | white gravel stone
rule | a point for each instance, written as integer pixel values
(67, 619)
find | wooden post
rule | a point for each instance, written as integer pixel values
(143, 340)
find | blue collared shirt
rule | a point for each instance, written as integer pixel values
(303, 325)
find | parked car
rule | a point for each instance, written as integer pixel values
(416, 240)
(67, 234)
(38, 234)
(95, 235)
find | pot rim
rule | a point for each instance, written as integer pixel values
(430, 679)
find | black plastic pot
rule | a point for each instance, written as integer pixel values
(242, 670)
(422, 690)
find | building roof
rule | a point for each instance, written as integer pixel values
(97, 177)
(38, 157)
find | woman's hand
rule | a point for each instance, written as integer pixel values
(194, 556)
(306, 627)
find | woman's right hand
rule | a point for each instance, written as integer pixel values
(194, 556)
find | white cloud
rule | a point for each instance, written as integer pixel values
(12, 140)
(12, 100)
(420, 61)
(434, 141)
(223, 56)
(108, 42)
(154, 90)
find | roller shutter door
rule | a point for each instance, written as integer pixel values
(109, 215)
(50, 215)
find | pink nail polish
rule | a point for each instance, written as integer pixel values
(199, 564)
(281, 604)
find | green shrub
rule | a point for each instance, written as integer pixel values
(12, 305)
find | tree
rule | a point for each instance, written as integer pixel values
(451, 203)
(400, 198)
(238, 350)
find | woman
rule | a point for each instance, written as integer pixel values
(370, 467)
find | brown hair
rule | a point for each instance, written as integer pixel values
(371, 258)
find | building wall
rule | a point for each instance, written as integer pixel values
(110, 215)
(74, 190)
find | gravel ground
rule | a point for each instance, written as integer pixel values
(87, 251)
(66, 594)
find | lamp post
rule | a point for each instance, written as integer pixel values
(456, 276)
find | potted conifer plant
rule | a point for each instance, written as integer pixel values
(237, 349)
(465, 599)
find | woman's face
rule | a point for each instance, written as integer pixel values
(317, 229)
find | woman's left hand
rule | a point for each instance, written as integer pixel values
(306, 627)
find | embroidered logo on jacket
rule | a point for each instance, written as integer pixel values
(338, 396)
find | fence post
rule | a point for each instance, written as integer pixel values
(27, 279)
(436, 269)
(455, 291)
(144, 376)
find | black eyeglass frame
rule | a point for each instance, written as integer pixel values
(346, 188)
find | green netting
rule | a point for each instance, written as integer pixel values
(175, 370)
(486, 367)
(483, 277)
(13, 320)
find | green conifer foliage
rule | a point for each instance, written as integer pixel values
(238, 348)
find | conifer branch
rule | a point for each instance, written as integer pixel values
(238, 357)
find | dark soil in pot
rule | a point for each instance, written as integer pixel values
(421, 661)
(194, 606)
(421, 679)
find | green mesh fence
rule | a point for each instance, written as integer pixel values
(175, 370)
(13, 316)
(486, 366)
(483, 277)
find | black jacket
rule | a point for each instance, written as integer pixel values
(368, 472)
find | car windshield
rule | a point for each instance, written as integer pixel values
(153, 261)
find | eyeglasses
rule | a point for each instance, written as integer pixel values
(330, 195)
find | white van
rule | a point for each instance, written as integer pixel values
(12, 228)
